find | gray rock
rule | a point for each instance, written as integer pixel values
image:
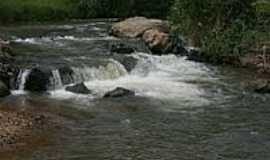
(38, 80)
(78, 88)
(262, 87)
(122, 49)
(119, 92)
(128, 62)
(66, 75)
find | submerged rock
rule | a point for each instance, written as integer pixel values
(78, 88)
(122, 49)
(128, 62)
(119, 92)
(4, 91)
(37, 80)
(262, 87)
(136, 26)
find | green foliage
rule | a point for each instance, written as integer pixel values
(104, 8)
(222, 28)
(18, 10)
(262, 6)
(40, 10)
(152, 8)
(123, 8)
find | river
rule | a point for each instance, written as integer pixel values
(182, 110)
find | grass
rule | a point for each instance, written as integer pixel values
(34, 10)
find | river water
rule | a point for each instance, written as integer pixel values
(182, 110)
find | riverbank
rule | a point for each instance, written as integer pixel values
(20, 129)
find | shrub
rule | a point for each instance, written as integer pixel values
(221, 28)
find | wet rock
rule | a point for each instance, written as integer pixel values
(262, 87)
(78, 88)
(153, 32)
(122, 49)
(128, 62)
(195, 54)
(66, 75)
(178, 46)
(38, 80)
(135, 27)
(5, 49)
(4, 91)
(119, 92)
(158, 42)
(8, 69)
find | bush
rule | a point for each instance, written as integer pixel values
(123, 8)
(103, 8)
(221, 28)
(40, 10)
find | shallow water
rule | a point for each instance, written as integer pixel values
(182, 109)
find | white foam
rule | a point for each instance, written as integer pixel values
(160, 77)
(46, 40)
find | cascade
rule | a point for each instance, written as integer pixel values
(22, 77)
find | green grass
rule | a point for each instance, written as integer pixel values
(34, 10)
(50, 10)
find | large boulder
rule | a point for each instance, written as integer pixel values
(4, 91)
(78, 88)
(119, 92)
(135, 27)
(153, 32)
(38, 80)
(158, 42)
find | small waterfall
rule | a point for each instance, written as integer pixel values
(56, 80)
(21, 80)
(112, 70)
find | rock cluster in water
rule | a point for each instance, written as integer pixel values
(154, 32)
(78, 88)
(119, 92)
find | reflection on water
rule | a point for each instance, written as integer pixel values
(182, 110)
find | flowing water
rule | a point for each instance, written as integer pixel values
(182, 110)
